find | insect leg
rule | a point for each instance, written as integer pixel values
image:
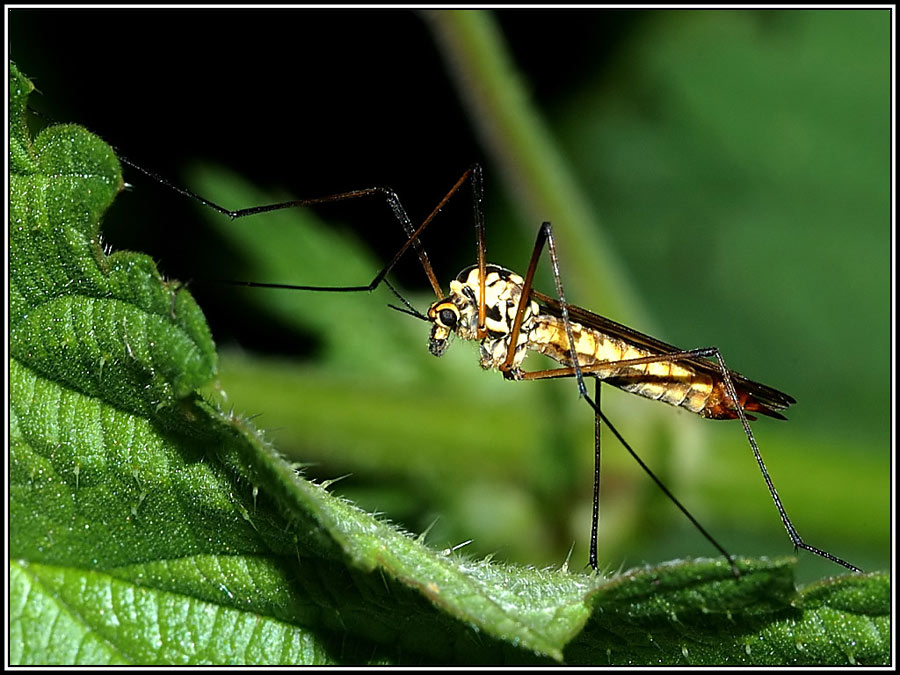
(600, 416)
(390, 197)
(595, 506)
(614, 367)
(788, 525)
(544, 236)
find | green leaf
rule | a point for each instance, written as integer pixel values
(148, 526)
(686, 613)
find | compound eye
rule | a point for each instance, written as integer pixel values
(448, 318)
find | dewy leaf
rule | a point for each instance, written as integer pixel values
(149, 527)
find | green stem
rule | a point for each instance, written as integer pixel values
(537, 175)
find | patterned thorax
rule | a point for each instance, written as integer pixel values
(458, 313)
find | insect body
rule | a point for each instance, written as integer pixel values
(508, 317)
(598, 342)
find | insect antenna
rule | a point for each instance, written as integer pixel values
(412, 311)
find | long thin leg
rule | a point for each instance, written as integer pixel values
(473, 173)
(480, 253)
(599, 414)
(788, 525)
(614, 367)
(595, 518)
(545, 236)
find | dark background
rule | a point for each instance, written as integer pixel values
(312, 103)
(758, 223)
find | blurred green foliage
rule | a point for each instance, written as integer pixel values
(738, 161)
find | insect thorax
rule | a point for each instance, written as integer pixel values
(458, 313)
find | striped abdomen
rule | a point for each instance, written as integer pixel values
(674, 382)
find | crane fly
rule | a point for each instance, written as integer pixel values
(500, 310)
